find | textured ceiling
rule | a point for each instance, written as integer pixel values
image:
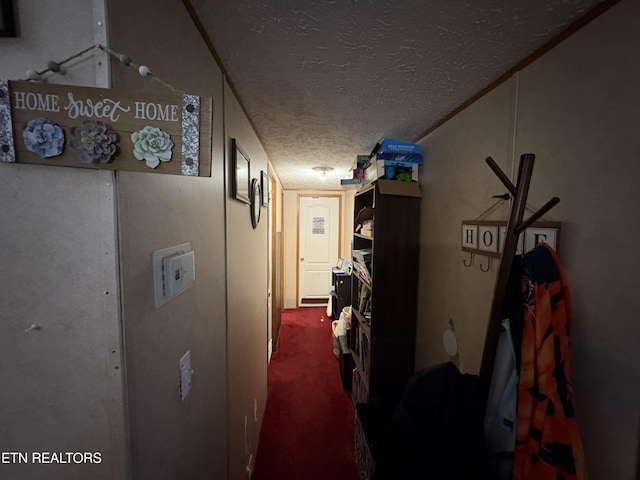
(323, 80)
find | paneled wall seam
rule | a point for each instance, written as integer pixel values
(118, 412)
(118, 424)
(514, 124)
(226, 173)
(102, 64)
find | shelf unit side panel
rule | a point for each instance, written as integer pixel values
(394, 272)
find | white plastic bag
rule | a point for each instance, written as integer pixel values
(340, 327)
(336, 342)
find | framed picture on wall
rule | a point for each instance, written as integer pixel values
(256, 208)
(241, 182)
(7, 19)
(265, 187)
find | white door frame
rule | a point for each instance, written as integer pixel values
(339, 241)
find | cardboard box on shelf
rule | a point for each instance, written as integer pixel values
(391, 170)
(391, 145)
(393, 187)
(399, 157)
(361, 161)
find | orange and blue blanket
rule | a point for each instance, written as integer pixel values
(548, 443)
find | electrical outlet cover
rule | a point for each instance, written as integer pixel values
(185, 374)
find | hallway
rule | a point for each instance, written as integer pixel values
(91, 364)
(307, 431)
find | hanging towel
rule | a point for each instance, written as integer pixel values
(500, 417)
(548, 443)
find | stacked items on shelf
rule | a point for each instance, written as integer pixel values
(361, 264)
(364, 222)
(367, 228)
(364, 300)
(364, 351)
(363, 256)
(358, 173)
(393, 160)
(359, 390)
(361, 163)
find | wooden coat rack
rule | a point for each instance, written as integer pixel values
(515, 226)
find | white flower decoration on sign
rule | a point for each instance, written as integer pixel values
(152, 145)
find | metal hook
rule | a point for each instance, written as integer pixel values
(504, 196)
(470, 260)
(488, 268)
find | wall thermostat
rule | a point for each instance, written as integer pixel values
(173, 272)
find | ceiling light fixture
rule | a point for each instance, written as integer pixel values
(323, 170)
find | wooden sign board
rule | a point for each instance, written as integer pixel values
(104, 128)
(485, 237)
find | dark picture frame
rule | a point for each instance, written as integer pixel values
(255, 202)
(7, 19)
(265, 187)
(241, 173)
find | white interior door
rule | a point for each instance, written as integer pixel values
(317, 247)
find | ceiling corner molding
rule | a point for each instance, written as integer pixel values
(203, 33)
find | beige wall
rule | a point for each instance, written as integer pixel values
(457, 185)
(290, 232)
(96, 231)
(226, 333)
(275, 216)
(576, 109)
(247, 283)
(279, 203)
(172, 438)
(62, 381)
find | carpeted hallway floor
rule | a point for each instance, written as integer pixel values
(307, 431)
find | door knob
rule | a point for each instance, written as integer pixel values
(302, 259)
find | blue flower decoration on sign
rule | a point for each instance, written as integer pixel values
(43, 137)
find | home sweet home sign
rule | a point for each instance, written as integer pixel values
(104, 128)
(486, 237)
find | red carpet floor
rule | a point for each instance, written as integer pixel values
(307, 431)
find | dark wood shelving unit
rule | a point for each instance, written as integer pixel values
(387, 361)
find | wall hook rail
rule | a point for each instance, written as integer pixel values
(470, 260)
(488, 267)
